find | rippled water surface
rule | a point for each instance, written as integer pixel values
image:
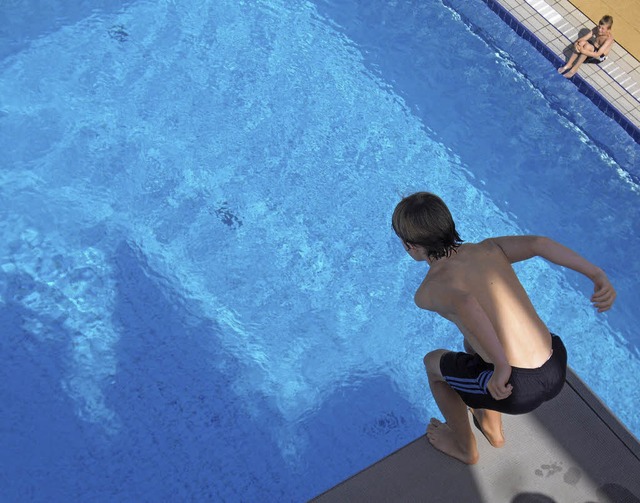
(201, 297)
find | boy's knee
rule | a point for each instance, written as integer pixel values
(427, 359)
(432, 362)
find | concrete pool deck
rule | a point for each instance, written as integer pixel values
(572, 449)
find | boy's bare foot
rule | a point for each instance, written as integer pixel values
(562, 69)
(568, 75)
(444, 439)
(491, 427)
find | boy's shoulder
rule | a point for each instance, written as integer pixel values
(427, 290)
(484, 246)
(443, 281)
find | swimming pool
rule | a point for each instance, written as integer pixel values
(202, 297)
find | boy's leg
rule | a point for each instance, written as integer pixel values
(454, 437)
(581, 58)
(490, 421)
(569, 64)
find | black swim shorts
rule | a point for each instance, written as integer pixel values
(469, 374)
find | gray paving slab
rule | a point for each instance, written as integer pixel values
(570, 450)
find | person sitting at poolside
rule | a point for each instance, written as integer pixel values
(594, 45)
(512, 362)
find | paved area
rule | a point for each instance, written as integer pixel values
(558, 23)
(570, 450)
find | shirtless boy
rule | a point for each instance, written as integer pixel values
(596, 44)
(513, 363)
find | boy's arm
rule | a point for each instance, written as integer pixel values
(600, 52)
(517, 248)
(465, 311)
(587, 36)
(604, 50)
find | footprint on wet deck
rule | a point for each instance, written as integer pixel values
(549, 469)
(573, 476)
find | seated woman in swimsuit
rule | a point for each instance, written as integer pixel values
(596, 44)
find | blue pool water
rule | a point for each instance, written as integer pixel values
(201, 295)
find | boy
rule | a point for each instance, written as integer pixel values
(513, 363)
(596, 45)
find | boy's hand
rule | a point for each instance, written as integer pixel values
(603, 292)
(497, 385)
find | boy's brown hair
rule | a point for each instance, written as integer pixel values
(423, 219)
(606, 21)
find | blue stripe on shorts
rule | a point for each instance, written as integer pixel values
(477, 386)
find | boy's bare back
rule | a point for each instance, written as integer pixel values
(484, 272)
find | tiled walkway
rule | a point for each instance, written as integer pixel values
(558, 23)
